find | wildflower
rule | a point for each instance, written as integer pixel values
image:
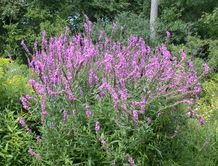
(44, 114)
(97, 126)
(65, 116)
(142, 106)
(88, 111)
(124, 94)
(81, 91)
(32, 153)
(39, 88)
(43, 108)
(190, 64)
(101, 35)
(135, 116)
(68, 91)
(197, 89)
(25, 102)
(131, 161)
(206, 68)
(201, 120)
(183, 55)
(168, 34)
(165, 51)
(149, 120)
(102, 141)
(70, 96)
(23, 124)
(25, 47)
(92, 78)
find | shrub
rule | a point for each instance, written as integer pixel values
(201, 51)
(14, 140)
(208, 23)
(125, 26)
(200, 144)
(13, 83)
(105, 103)
(208, 103)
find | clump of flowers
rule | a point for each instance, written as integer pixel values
(138, 82)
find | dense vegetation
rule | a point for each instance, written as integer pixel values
(82, 83)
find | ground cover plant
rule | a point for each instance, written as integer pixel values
(103, 103)
(13, 139)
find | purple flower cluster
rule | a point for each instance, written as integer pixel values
(121, 71)
(131, 161)
(65, 116)
(32, 153)
(24, 125)
(88, 111)
(97, 126)
(25, 101)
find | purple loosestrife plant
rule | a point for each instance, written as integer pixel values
(97, 126)
(32, 153)
(24, 125)
(127, 86)
(88, 111)
(131, 161)
(25, 101)
(65, 116)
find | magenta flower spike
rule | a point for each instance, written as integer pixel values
(88, 111)
(97, 126)
(135, 116)
(168, 34)
(201, 120)
(65, 116)
(206, 68)
(131, 161)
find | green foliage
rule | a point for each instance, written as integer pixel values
(191, 10)
(13, 140)
(13, 83)
(208, 103)
(125, 26)
(187, 17)
(201, 51)
(75, 142)
(28, 27)
(209, 24)
(170, 20)
(25, 20)
(195, 145)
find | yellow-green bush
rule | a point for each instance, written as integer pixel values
(13, 138)
(13, 83)
(208, 103)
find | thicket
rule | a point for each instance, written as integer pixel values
(92, 109)
(113, 103)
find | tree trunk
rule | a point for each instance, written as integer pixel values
(153, 18)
